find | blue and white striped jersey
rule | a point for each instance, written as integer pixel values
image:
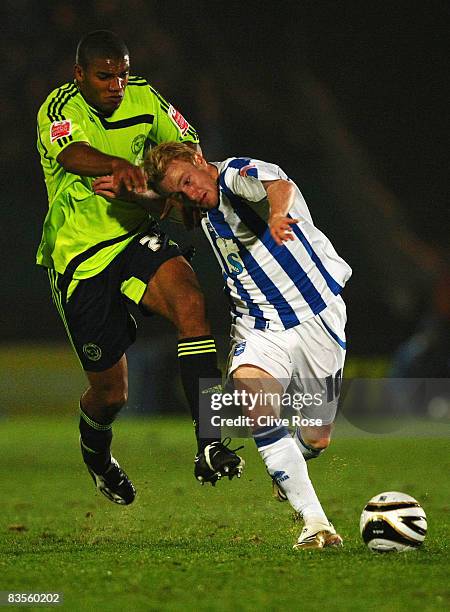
(270, 286)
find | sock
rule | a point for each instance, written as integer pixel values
(287, 466)
(198, 360)
(95, 442)
(308, 452)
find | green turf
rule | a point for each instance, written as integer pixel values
(185, 547)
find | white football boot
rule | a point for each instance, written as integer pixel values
(317, 535)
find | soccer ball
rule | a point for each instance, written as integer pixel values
(393, 521)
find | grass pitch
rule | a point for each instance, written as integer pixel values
(181, 546)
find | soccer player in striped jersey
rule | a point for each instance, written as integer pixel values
(103, 250)
(284, 280)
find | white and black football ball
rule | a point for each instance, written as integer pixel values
(393, 521)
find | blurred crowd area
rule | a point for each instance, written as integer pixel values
(249, 78)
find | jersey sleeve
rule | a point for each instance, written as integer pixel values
(169, 124)
(245, 176)
(59, 129)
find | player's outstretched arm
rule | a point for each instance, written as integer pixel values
(161, 208)
(80, 158)
(281, 196)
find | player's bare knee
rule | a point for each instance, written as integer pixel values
(110, 399)
(117, 400)
(318, 444)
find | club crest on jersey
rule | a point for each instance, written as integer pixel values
(178, 120)
(249, 170)
(138, 144)
(92, 351)
(59, 129)
(240, 348)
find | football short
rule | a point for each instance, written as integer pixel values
(94, 310)
(307, 360)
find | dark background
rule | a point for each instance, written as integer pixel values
(351, 100)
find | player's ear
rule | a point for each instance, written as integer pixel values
(78, 73)
(199, 160)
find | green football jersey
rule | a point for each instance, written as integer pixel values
(83, 230)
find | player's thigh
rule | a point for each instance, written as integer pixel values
(160, 280)
(259, 392)
(261, 349)
(258, 364)
(174, 293)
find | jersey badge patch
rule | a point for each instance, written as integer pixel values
(59, 129)
(178, 120)
(249, 170)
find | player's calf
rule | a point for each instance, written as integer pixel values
(309, 450)
(95, 442)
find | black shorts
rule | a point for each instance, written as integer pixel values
(94, 310)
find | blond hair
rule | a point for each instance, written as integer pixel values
(158, 159)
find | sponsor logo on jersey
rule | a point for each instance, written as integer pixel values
(138, 144)
(240, 348)
(235, 266)
(92, 351)
(178, 120)
(59, 129)
(247, 170)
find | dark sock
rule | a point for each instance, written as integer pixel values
(198, 360)
(95, 442)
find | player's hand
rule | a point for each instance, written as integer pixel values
(130, 176)
(189, 216)
(280, 228)
(104, 186)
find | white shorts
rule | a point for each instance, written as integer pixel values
(307, 359)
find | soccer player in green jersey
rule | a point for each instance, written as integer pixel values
(104, 252)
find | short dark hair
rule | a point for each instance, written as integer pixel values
(100, 44)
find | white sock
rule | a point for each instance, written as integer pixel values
(286, 464)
